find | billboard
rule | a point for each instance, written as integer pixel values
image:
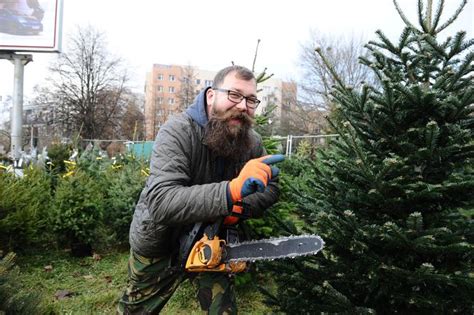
(30, 25)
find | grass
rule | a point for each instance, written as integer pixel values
(96, 284)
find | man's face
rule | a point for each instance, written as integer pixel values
(219, 105)
(227, 131)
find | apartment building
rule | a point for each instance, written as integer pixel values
(169, 89)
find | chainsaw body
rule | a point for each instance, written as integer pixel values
(208, 254)
(204, 249)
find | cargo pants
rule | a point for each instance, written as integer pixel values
(152, 282)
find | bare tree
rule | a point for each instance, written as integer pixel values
(343, 54)
(87, 87)
(305, 114)
(187, 91)
(133, 121)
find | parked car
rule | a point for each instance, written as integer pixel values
(17, 24)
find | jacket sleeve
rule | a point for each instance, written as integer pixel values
(257, 203)
(170, 197)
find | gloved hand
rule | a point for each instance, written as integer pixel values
(254, 176)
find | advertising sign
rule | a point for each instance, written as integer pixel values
(30, 25)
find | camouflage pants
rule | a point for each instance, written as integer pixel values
(152, 282)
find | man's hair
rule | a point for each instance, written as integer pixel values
(241, 72)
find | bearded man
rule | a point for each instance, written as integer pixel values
(207, 163)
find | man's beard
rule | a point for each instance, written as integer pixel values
(228, 141)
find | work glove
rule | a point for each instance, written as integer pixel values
(254, 176)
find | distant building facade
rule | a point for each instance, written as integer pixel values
(169, 89)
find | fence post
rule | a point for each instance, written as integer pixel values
(289, 140)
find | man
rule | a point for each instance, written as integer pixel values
(206, 163)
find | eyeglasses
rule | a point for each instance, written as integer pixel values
(235, 97)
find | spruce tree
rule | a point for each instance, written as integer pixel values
(393, 197)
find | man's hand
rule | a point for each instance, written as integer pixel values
(254, 176)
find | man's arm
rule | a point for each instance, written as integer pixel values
(171, 199)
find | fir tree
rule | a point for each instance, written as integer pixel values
(393, 196)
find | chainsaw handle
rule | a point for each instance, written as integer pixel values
(212, 230)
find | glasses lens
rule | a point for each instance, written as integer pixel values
(252, 101)
(235, 97)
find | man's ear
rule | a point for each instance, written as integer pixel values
(210, 95)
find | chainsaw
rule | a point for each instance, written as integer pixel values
(202, 250)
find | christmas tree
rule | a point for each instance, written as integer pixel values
(393, 197)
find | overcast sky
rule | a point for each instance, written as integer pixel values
(210, 34)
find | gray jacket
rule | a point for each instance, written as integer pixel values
(187, 184)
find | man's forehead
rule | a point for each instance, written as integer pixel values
(235, 83)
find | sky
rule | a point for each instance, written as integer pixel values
(210, 34)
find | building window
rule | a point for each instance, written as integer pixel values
(208, 82)
(159, 88)
(171, 101)
(159, 100)
(198, 81)
(171, 89)
(160, 77)
(171, 77)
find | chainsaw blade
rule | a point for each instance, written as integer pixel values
(274, 248)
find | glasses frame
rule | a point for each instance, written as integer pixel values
(257, 101)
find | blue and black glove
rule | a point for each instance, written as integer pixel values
(254, 176)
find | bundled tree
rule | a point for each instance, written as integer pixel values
(77, 212)
(24, 206)
(390, 197)
(125, 180)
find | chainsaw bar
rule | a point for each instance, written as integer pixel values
(274, 248)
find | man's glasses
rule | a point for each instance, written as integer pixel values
(235, 97)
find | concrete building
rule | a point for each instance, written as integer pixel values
(169, 89)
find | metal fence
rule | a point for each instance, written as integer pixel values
(288, 145)
(290, 142)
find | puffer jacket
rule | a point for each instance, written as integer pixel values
(187, 184)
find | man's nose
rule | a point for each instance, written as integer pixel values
(242, 105)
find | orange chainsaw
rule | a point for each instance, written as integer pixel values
(210, 253)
